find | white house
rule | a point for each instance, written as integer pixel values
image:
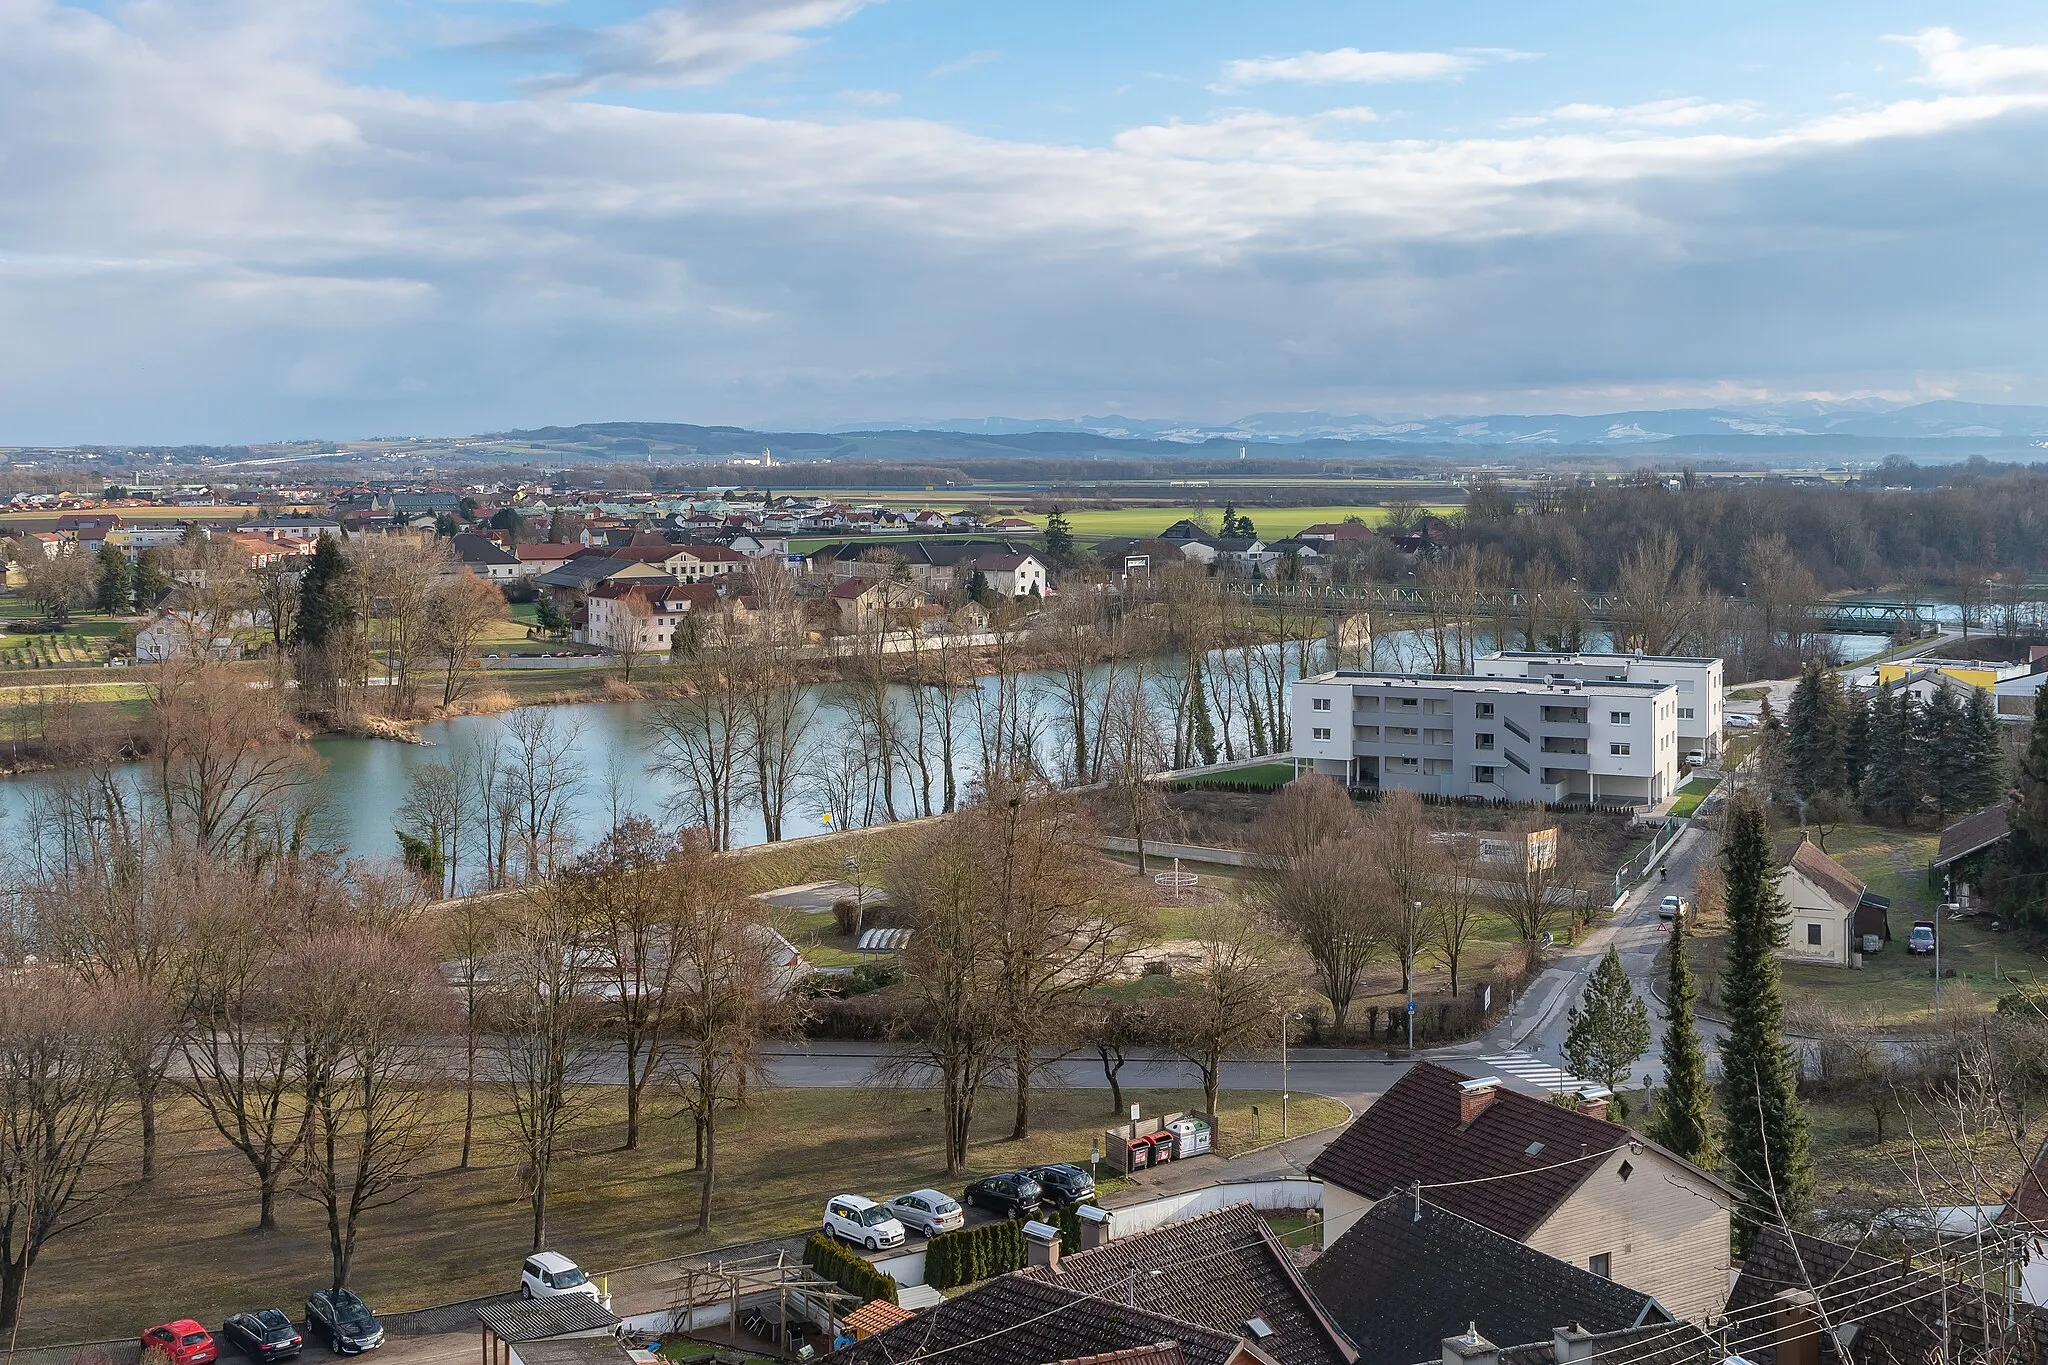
(1011, 575)
(189, 635)
(1698, 680)
(1821, 897)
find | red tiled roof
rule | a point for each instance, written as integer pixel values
(1840, 885)
(1411, 1134)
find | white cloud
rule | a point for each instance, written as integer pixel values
(1951, 64)
(870, 99)
(981, 57)
(698, 43)
(208, 234)
(1348, 64)
(1670, 113)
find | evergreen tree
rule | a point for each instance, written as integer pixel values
(325, 611)
(2020, 878)
(117, 585)
(1766, 1142)
(151, 582)
(1946, 755)
(1815, 735)
(1059, 541)
(1608, 1031)
(1855, 738)
(1986, 777)
(1684, 1119)
(1201, 729)
(1244, 526)
(1229, 529)
(977, 588)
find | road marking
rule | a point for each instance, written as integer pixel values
(1525, 1066)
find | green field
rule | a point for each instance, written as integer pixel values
(1695, 792)
(1272, 523)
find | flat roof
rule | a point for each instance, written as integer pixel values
(1482, 681)
(1641, 658)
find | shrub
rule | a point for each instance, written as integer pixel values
(971, 1255)
(2027, 1000)
(855, 1274)
(871, 976)
(846, 914)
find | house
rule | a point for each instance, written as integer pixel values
(191, 635)
(539, 559)
(1336, 532)
(1245, 554)
(1184, 529)
(1963, 843)
(568, 1329)
(1408, 1274)
(1011, 575)
(643, 617)
(1218, 1289)
(862, 602)
(1697, 678)
(1013, 526)
(1883, 1310)
(485, 558)
(1565, 1182)
(1821, 897)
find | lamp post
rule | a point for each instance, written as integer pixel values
(1286, 1025)
(1414, 913)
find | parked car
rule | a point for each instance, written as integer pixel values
(551, 1275)
(1671, 907)
(1063, 1183)
(1012, 1194)
(266, 1334)
(1921, 940)
(345, 1320)
(183, 1342)
(1740, 722)
(1695, 757)
(926, 1211)
(860, 1220)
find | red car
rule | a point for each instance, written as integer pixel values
(183, 1342)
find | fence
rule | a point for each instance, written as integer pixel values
(1667, 835)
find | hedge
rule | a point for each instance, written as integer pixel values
(853, 1273)
(971, 1255)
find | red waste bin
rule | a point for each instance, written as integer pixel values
(1162, 1148)
(1138, 1154)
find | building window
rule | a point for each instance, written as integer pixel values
(1483, 710)
(1322, 732)
(1813, 936)
(1600, 1264)
(1485, 773)
(1685, 713)
(1619, 748)
(1320, 704)
(1617, 717)
(1483, 740)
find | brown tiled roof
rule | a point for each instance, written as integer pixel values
(1398, 1285)
(877, 1316)
(1979, 830)
(1158, 1353)
(1014, 1320)
(1662, 1343)
(2029, 1203)
(1411, 1133)
(1221, 1269)
(1840, 885)
(1897, 1310)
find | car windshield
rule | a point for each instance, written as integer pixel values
(352, 1313)
(570, 1278)
(1028, 1189)
(194, 1338)
(873, 1218)
(944, 1206)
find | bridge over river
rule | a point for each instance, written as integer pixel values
(1835, 617)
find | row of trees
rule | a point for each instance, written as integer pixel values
(1838, 750)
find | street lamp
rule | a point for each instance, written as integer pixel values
(1286, 1026)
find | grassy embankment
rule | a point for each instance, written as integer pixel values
(182, 1245)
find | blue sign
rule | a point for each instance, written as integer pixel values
(1411, 1007)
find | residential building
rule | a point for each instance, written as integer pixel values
(1698, 680)
(485, 558)
(1408, 1274)
(536, 559)
(1009, 575)
(1514, 739)
(1964, 844)
(860, 603)
(1822, 903)
(1567, 1183)
(643, 617)
(191, 635)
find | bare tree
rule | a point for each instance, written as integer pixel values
(1539, 885)
(699, 734)
(61, 1086)
(1452, 905)
(539, 780)
(541, 1015)
(1409, 861)
(1134, 750)
(372, 1005)
(1332, 902)
(227, 763)
(461, 609)
(439, 809)
(399, 575)
(1236, 993)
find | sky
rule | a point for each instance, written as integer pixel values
(246, 220)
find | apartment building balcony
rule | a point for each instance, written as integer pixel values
(1571, 717)
(1555, 744)
(1566, 762)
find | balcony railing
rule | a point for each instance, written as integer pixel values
(1515, 729)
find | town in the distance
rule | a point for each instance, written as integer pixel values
(1497, 909)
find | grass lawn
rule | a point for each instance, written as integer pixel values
(1746, 694)
(1264, 776)
(1695, 792)
(1272, 523)
(182, 1246)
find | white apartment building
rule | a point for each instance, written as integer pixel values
(1698, 681)
(1513, 739)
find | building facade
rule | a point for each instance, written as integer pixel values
(1512, 739)
(1698, 681)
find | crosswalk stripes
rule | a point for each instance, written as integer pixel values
(1524, 1066)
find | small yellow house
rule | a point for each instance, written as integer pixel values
(1821, 897)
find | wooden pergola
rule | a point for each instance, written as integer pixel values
(735, 1282)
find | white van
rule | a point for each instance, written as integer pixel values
(551, 1275)
(861, 1221)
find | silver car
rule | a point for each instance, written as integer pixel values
(926, 1211)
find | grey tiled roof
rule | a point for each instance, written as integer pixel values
(534, 1319)
(1399, 1285)
(1018, 1321)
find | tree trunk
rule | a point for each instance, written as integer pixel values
(1020, 1126)
(634, 1082)
(145, 1095)
(1212, 1085)
(1112, 1063)
(468, 1104)
(266, 1202)
(540, 1212)
(13, 1280)
(710, 1163)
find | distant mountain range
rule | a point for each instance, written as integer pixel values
(1967, 425)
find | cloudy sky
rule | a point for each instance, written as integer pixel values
(228, 220)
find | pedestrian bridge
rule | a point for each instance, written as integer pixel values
(1859, 617)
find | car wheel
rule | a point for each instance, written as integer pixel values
(874, 1244)
(525, 1291)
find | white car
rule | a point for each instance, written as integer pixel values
(927, 1211)
(551, 1275)
(861, 1221)
(1671, 908)
(1695, 758)
(1740, 722)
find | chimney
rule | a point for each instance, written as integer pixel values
(1593, 1101)
(1094, 1226)
(1474, 1096)
(1042, 1246)
(1798, 1327)
(1470, 1349)
(1570, 1344)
